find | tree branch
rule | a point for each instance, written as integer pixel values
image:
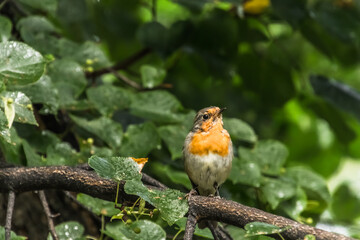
(121, 65)
(201, 208)
(9, 213)
(48, 214)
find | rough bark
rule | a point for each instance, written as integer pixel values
(81, 180)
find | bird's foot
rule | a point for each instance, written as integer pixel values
(191, 193)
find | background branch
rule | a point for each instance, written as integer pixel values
(201, 208)
(121, 65)
(48, 214)
(9, 213)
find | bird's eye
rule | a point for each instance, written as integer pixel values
(205, 116)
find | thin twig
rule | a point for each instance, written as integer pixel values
(48, 214)
(3, 4)
(125, 79)
(121, 65)
(73, 198)
(152, 181)
(9, 213)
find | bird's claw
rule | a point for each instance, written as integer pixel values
(191, 193)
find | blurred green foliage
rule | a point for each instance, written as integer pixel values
(125, 78)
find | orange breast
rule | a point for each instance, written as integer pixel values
(214, 141)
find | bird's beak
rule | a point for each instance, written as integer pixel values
(221, 110)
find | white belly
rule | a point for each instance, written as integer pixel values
(206, 171)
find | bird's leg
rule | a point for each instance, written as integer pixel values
(217, 194)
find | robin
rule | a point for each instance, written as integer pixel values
(208, 152)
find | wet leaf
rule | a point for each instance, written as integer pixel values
(158, 105)
(117, 168)
(260, 228)
(296, 205)
(9, 109)
(245, 172)
(20, 64)
(151, 76)
(32, 158)
(174, 137)
(270, 155)
(139, 230)
(90, 52)
(69, 79)
(171, 203)
(105, 128)
(43, 91)
(278, 190)
(108, 98)
(22, 106)
(313, 184)
(139, 140)
(239, 130)
(165, 172)
(98, 206)
(68, 230)
(62, 154)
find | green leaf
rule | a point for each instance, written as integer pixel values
(270, 155)
(206, 233)
(4, 129)
(108, 98)
(345, 205)
(69, 80)
(139, 230)
(68, 230)
(90, 52)
(340, 95)
(9, 109)
(139, 140)
(32, 158)
(151, 76)
(174, 137)
(10, 145)
(296, 205)
(106, 129)
(49, 6)
(260, 228)
(117, 168)
(38, 139)
(40, 33)
(245, 172)
(98, 206)
(165, 172)
(13, 235)
(5, 29)
(158, 105)
(171, 203)
(278, 190)
(313, 184)
(20, 64)
(62, 154)
(239, 130)
(43, 91)
(22, 105)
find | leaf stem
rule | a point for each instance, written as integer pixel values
(102, 227)
(177, 234)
